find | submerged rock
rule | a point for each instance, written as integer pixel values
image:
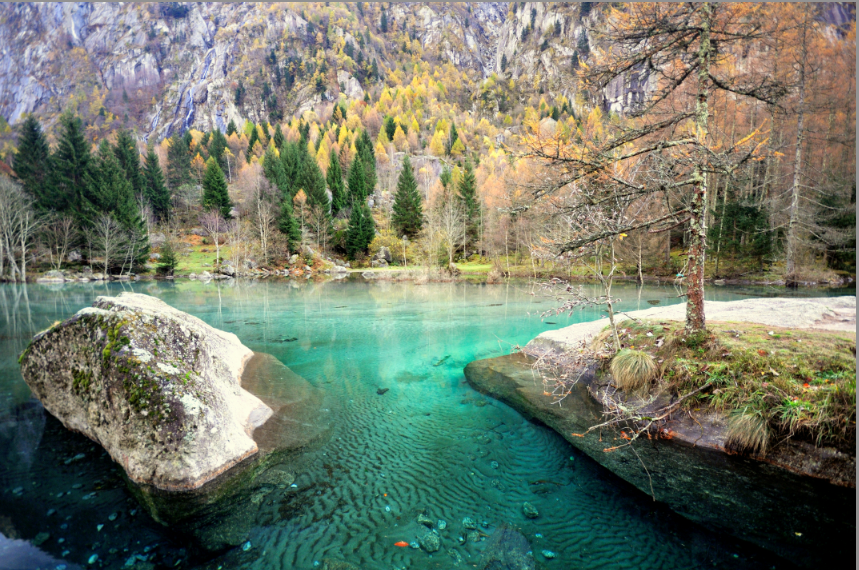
(506, 549)
(159, 389)
(530, 511)
(425, 520)
(430, 542)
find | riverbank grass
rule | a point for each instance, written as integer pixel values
(771, 382)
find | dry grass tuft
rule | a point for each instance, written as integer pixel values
(633, 369)
(748, 431)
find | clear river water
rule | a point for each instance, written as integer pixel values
(429, 443)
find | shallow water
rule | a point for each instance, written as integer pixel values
(429, 442)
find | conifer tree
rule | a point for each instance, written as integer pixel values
(313, 183)
(383, 25)
(287, 224)
(231, 128)
(367, 154)
(155, 189)
(292, 157)
(217, 148)
(334, 177)
(272, 169)
(408, 212)
(361, 230)
(357, 182)
(33, 163)
(452, 137)
(278, 137)
(254, 137)
(178, 162)
(468, 198)
(128, 157)
(215, 195)
(72, 172)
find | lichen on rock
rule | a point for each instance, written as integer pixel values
(159, 389)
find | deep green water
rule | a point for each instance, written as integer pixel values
(430, 442)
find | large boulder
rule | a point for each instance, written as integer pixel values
(506, 549)
(159, 389)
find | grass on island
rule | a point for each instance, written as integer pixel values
(771, 382)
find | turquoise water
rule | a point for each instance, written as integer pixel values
(428, 443)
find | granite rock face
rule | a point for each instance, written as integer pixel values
(159, 389)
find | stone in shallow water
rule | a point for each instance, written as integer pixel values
(549, 554)
(41, 538)
(430, 542)
(246, 546)
(442, 524)
(425, 520)
(469, 524)
(530, 511)
(473, 536)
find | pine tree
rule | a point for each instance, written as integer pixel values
(452, 137)
(503, 63)
(33, 163)
(128, 157)
(231, 128)
(272, 169)
(334, 177)
(408, 212)
(313, 183)
(292, 157)
(217, 147)
(178, 162)
(367, 154)
(155, 189)
(254, 137)
(72, 172)
(357, 182)
(215, 195)
(468, 198)
(278, 137)
(361, 230)
(383, 25)
(287, 223)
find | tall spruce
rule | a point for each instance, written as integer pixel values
(155, 189)
(128, 157)
(252, 140)
(73, 172)
(312, 181)
(218, 147)
(215, 194)
(468, 198)
(292, 156)
(357, 182)
(367, 154)
(278, 137)
(361, 230)
(272, 169)
(334, 177)
(32, 163)
(408, 212)
(231, 127)
(178, 162)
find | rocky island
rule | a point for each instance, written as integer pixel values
(785, 500)
(159, 389)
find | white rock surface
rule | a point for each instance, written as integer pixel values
(824, 313)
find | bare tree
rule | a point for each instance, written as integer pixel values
(452, 226)
(107, 239)
(18, 224)
(264, 214)
(146, 214)
(320, 224)
(215, 226)
(59, 232)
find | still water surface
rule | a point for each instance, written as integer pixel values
(429, 443)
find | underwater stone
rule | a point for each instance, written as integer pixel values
(549, 554)
(530, 511)
(506, 549)
(175, 422)
(442, 524)
(494, 465)
(41, 538)
(246, 546)
(430, 542)
(473, 536)
(469, 524)
(425, 520)
(92, 559)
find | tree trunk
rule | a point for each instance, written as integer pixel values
(698, 221)
(792, 227)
